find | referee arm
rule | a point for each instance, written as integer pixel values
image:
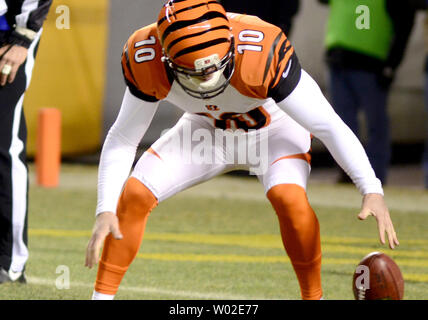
(24, 18)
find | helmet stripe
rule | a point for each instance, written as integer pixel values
(186, 23)
(174, 42)
(177, 1)
(160, 21)
(200, 46)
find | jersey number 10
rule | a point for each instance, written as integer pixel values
(145, 54)
(250, 36)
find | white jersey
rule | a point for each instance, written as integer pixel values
(248, 112)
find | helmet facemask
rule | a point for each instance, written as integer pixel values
(208, 79)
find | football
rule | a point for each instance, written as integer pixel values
(378, 277)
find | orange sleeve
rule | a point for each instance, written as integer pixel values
(263, 53)
(142, 68)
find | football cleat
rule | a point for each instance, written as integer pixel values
(12, 276)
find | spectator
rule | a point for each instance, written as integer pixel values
(363, 59)
(20, 29)
(277, 12)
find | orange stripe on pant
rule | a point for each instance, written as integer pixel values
(135, 205)
(153, 152)
(300, 234)
(303, 156)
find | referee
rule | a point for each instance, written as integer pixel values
(20, 28)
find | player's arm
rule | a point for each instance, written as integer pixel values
(120, 147)
(117, 157)
(308, 106)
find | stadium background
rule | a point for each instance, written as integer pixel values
(222, 240)
(78, 71)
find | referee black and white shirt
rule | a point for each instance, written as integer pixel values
(21, 20)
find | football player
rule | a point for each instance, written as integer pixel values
(228, 72)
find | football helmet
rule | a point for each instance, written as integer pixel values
(198, 45)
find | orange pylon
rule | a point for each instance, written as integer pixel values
(48, 147)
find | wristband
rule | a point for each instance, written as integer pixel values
(28, 33)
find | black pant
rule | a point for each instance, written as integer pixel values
(13, 169)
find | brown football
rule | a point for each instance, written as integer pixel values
(377, 277)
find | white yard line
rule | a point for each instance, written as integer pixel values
(178, 294)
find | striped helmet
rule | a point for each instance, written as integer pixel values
(197, 45)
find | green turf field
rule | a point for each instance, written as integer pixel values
(218, 240)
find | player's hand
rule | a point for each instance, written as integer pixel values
(12, 57)
(374, 205)
(105, 223)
